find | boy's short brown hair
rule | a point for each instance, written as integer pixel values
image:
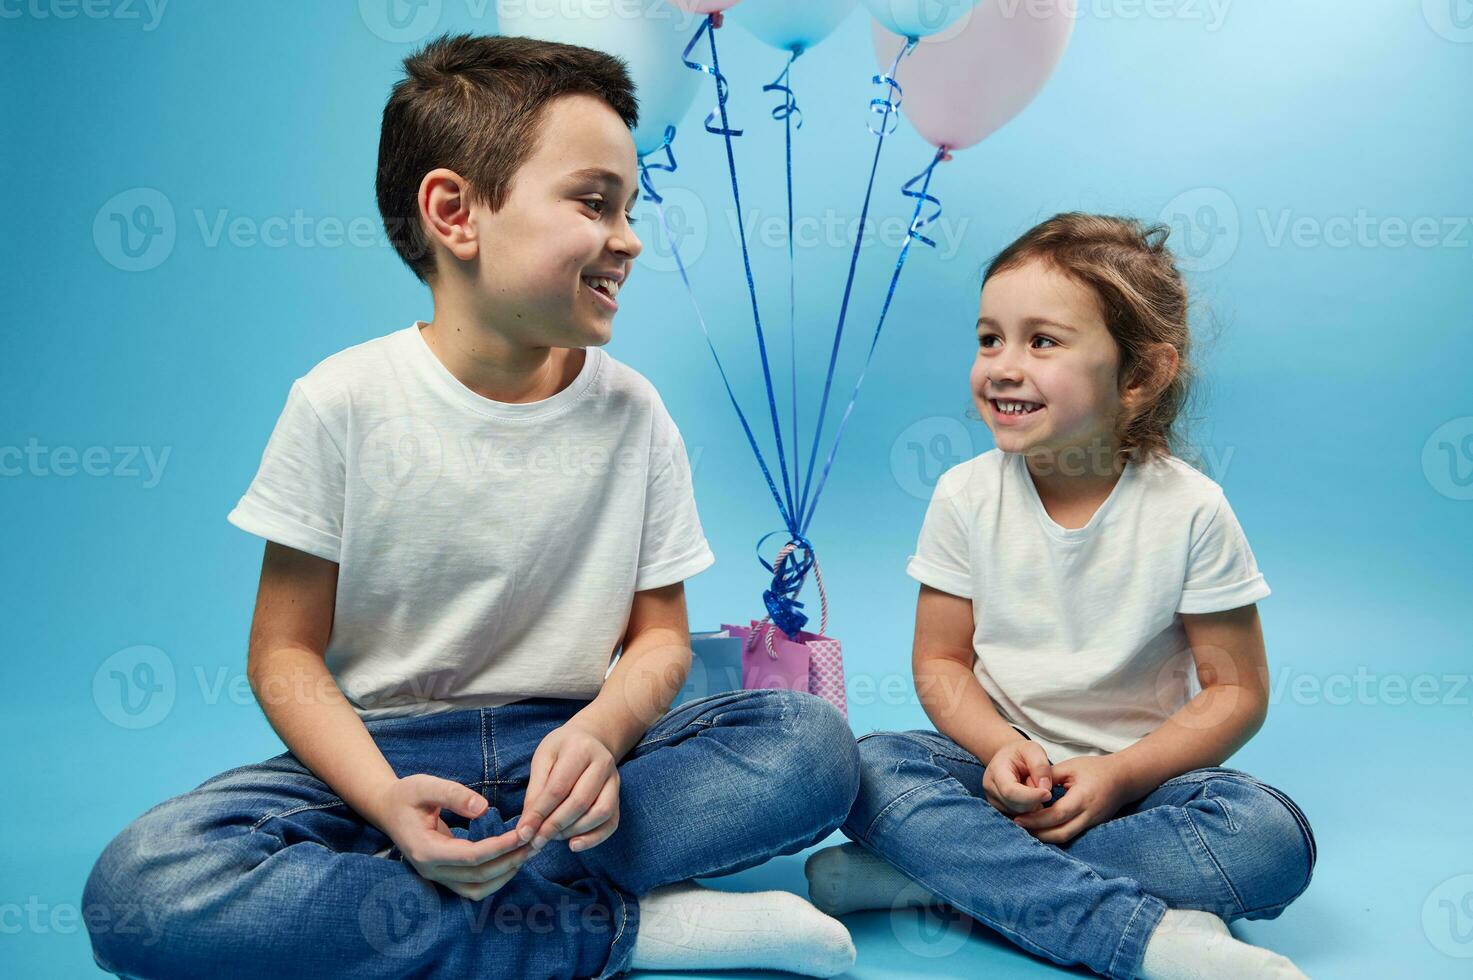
(472, 104)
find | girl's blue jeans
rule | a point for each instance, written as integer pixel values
(1215, 839)
(262, 871)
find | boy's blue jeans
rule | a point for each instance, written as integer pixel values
(1214, 839)
(263, 871)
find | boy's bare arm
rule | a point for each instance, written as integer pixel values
(293, 620)
(573, 789)
(649, 673)
(289, 633)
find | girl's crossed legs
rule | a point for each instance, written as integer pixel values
(1212, 839)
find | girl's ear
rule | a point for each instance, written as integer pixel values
(1154, 372)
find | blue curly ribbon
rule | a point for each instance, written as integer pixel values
(787, 578)
(917, 222)
(714, 70)
(789, 105)
(888, 104)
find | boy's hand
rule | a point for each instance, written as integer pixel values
(1018, 777)
(1095, 791)
(409, 812)
(573, 792)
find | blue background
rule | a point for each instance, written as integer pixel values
(1337, 373)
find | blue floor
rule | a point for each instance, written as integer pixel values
(1391, 896)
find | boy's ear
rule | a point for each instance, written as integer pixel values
(445, 214)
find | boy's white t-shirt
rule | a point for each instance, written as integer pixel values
(1078, 636)
(487, 552)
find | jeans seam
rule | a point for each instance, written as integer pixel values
(1217, 865)
(610, 968)
(296, 809)
(1293, 808)
(485, 758)
(893, 803)
(660, 738)
(1125, 935)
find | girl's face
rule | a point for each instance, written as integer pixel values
(1043, 347)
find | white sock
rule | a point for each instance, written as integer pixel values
(848, 878)
(687, 926)
(1189, 944)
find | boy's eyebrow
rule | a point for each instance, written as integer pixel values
(1032, 321)
(604, 176)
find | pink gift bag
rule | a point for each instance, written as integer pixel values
(808, 662)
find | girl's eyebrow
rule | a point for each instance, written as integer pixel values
(1032, 321)
(600, 175)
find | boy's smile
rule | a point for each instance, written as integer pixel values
(558, 252)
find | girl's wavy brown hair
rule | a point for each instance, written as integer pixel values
(1143, 299)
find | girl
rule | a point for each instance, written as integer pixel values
(1072, 581)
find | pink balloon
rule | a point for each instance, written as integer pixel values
(705, 6)
(963, 84)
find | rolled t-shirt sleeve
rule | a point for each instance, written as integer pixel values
(941, 558)
(672, 544)
(1221, 571)
(296, 497)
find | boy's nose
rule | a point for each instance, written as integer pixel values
(628, 243)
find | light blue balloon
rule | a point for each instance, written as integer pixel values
(918, 18)
(650, 44)
(789, 24)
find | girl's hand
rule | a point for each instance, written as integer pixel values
(1095, 790)
(1018, 777)
(409, 813)
(573, 793)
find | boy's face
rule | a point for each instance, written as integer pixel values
(564, 222)
(1042, 340)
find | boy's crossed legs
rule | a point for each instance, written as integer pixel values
(261, 870)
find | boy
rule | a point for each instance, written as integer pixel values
(464, 519)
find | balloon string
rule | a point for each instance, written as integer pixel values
(917, 222)
(654, 197)
(785, 113)
(708, 27)
(887, 105)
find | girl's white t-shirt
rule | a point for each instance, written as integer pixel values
(1079, 639)
(487, 552)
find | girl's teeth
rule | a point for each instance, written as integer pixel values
(1017, 408)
